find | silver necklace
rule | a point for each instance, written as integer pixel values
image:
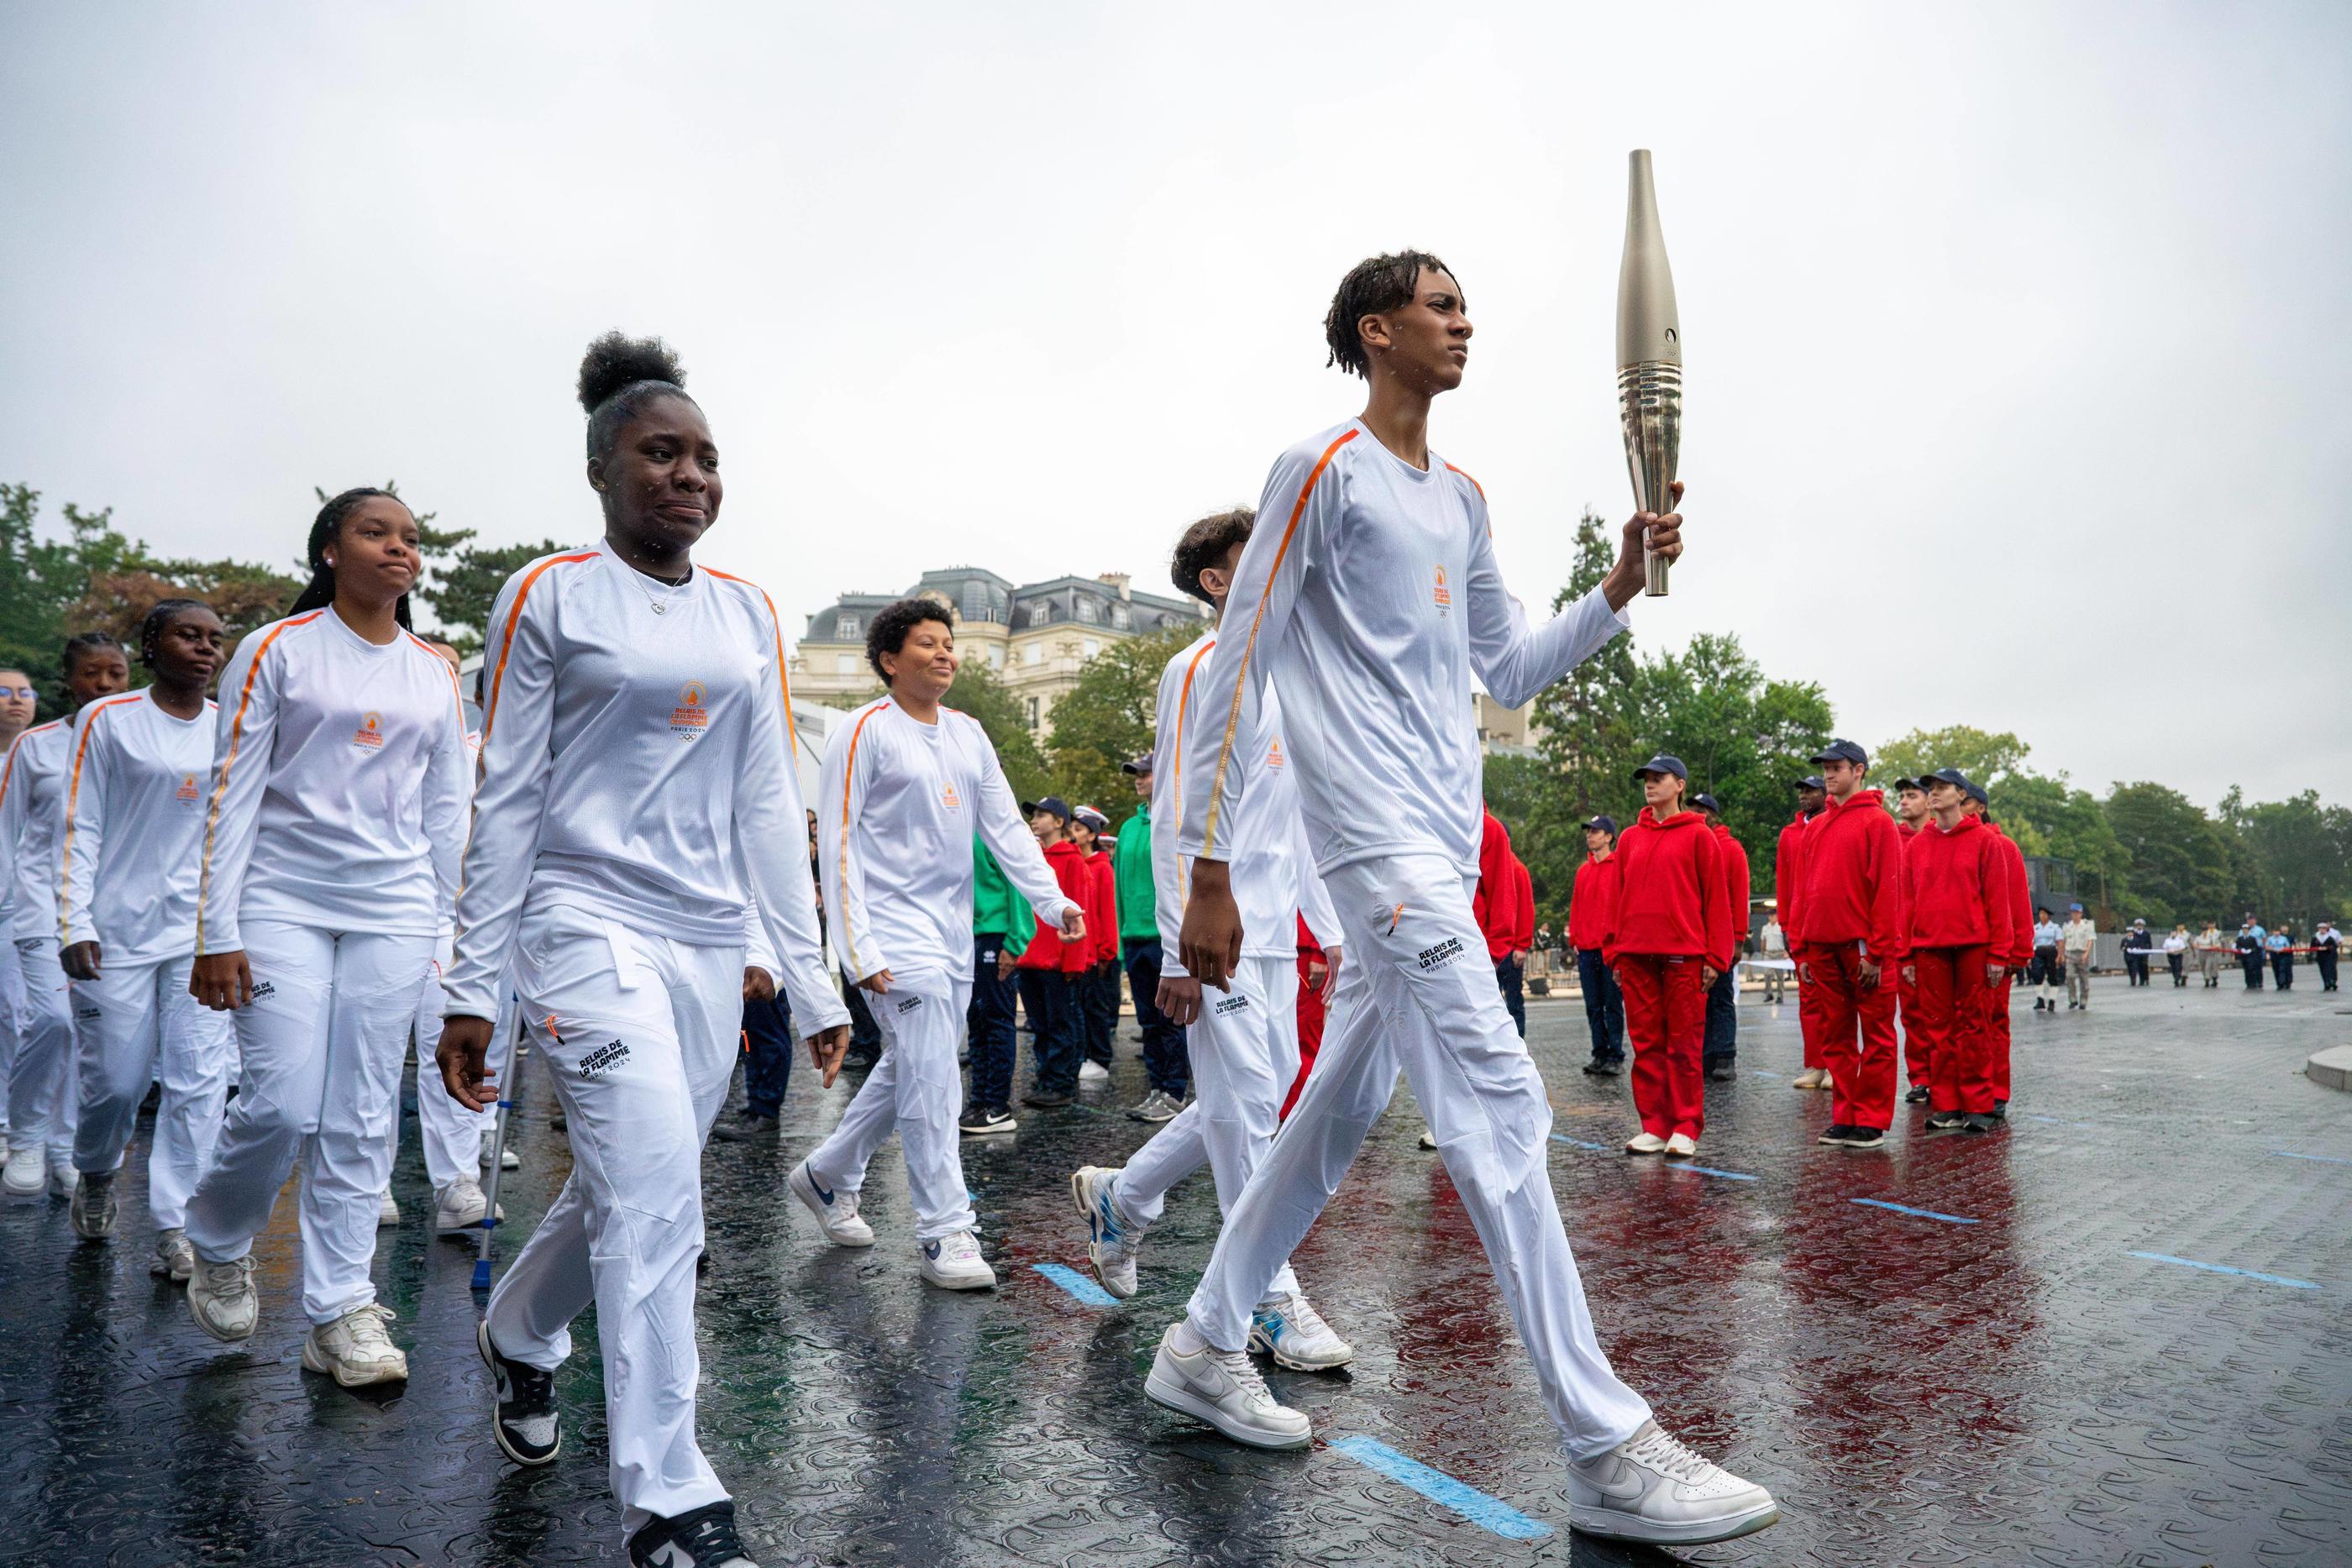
(661, 606)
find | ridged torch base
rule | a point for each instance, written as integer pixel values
(1650, 410)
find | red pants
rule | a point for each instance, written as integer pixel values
(1812, 1017)
(1915, 1070)
(1950, 1014)
(1996, 1025)
(1665, 1019)
(1857, 1036)
(1310, 1028)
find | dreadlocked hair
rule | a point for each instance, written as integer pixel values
(620, 375)
(1204, 544)
(151, 624)
(320, 592)
(82, 643)
(1373, 285)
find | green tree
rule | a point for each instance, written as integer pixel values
(1584, 724)
(1108, 718)
(2179, 857)
(2050, 817)
(979, 693)
(1983, 755)
(466, 583)
(2301, 854)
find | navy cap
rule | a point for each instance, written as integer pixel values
(1053, 804)
(1903, 784)
(1810, 781)
(1952, 776)
(1706, 802)
(1662, 763)
(1842, 751)
(1976, 793)
(1091, 818)
(1605, 824)
(1136, 764)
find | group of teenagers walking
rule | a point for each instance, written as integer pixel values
(632, 870)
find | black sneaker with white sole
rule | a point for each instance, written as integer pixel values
(699, 1537)
(1917, 1096)
(986, 1121)
(524, 1422)
(1979, 1122)
(1946, 1121)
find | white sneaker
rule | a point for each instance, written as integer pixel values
(26, 1172)
(1681, 1146)
(221, 1299)
(356, 1350)
(387, 1213)
(459, 1207)
(1294, 1333)
(954, 1264)
(1222, 1388)
(1112, 1238)
(508, 1159)
(1651, 1487)
(1645, 1143)
(94, 1206)
(63, 1180)
(175, 1260)
(1811, 1077)
(836, 1212)
(1094, 1072)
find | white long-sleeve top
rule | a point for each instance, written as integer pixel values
(338, 794)
(134, 820)
(898, 805)
(32, 813)
(1366, 596)
(1269, 862)
(635, 768)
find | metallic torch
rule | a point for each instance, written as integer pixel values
(1649, 361)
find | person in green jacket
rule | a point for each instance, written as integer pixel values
(1166, 1063)
(1002, 922)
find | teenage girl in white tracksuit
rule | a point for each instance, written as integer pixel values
(337, 808)
(635, 783)
(42, 1096)
(906, 782)
(134, 810)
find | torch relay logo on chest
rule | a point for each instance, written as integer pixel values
(370, 734)
(689, 719)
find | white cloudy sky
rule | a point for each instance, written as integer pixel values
(2019, 390)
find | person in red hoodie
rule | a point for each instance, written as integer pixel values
(1668, 941)
(1854, 930)
(1590, 905)
(2019, 952)
(1956, 887)
(1910, 817)
(1050, 966)
(1097, 984)
(1718, 1061)
(1788, 893)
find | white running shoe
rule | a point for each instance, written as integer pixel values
(356, 1350)
(63, 1180)
(175, 1260)
(1294, 1333)
(1094, 1072)
(387, 1213)
(1681, 1146)
(222, 1300)
(836, 1212)
(1222, 1388)
(508, 1159)
(1650, 1487)
(1811, 1077)
(954, 1264)
(94, 1206)
(1645, 1143)
(1112, 1238)
(26, 1172)
(459, 1207)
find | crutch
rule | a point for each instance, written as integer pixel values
(508, 1090)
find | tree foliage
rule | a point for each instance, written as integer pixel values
(980, 692)
(464, 583)
(1108, 718)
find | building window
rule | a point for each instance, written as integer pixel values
(1118, 616)
(845, 664)
(1032, 712)
(1029, 657)
(1086, 610)
(1093, 647)
(845, 627)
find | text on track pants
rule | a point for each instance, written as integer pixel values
(639, 1033)
(134, 1023)
(916, 1088)
(1416, 991)
(1245, 1055)
(322, 1041)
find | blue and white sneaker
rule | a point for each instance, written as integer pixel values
(836, 1212)
(954, 1264)
(1294, 1333)
(1112, 1238)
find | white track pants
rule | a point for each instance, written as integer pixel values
(133, 1024)
(1417, 992)
(1245, 1053)
(42, 1102)
(324, 1039)
(917, 1089)
(454, 1136)
(12, 1021)
(640, 1034)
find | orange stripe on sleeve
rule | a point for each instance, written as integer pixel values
(73, 798)
(506, 639)
(235, 739)
(1249, 646)
(848, 774)
(792, 733)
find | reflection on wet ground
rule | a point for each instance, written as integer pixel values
(1999, 1350)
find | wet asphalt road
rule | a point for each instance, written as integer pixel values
(2021, 1388)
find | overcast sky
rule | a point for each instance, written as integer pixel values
(2019, 388)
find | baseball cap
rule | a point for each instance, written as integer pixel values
(1810, 781)
(1955, 778)
(1706, 802)
(1091, 818)
(1136, 764)
(1053, 804)
(1903, 784)
(1662, 763)
(2074, 909)
(1842, 751)
(1605, 824)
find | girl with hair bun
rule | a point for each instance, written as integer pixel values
(330, 850)
(636, 803)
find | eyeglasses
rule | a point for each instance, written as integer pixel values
(27, 693)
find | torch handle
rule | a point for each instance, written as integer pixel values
(1650, 407)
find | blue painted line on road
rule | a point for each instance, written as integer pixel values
(1439, 1488)
(2224, 1268)
(2323, 1159)
(1076, 1284)
(1581, 1143)
(1678, 1165)
(1907, 1208)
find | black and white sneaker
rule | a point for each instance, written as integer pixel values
(1918, 1095)
(1946, 1121)
(700, 1538)
(524, 1422)
(1978, 1122)
(1853, 1137)
(1833, 1133)
(986, 1121)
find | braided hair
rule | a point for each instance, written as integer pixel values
(320, 592)
(620, 375)
(153, 624)
(82, 643)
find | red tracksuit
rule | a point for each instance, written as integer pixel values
(1592, 904)
(1731, 855)
(1788, 892)
(1956, 889)
(1670, 922)
(1906, 999)
(2020, 952)
(1046, 950)
(1853, 911)
(1102, 906)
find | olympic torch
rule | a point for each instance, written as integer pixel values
(1649, 361)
